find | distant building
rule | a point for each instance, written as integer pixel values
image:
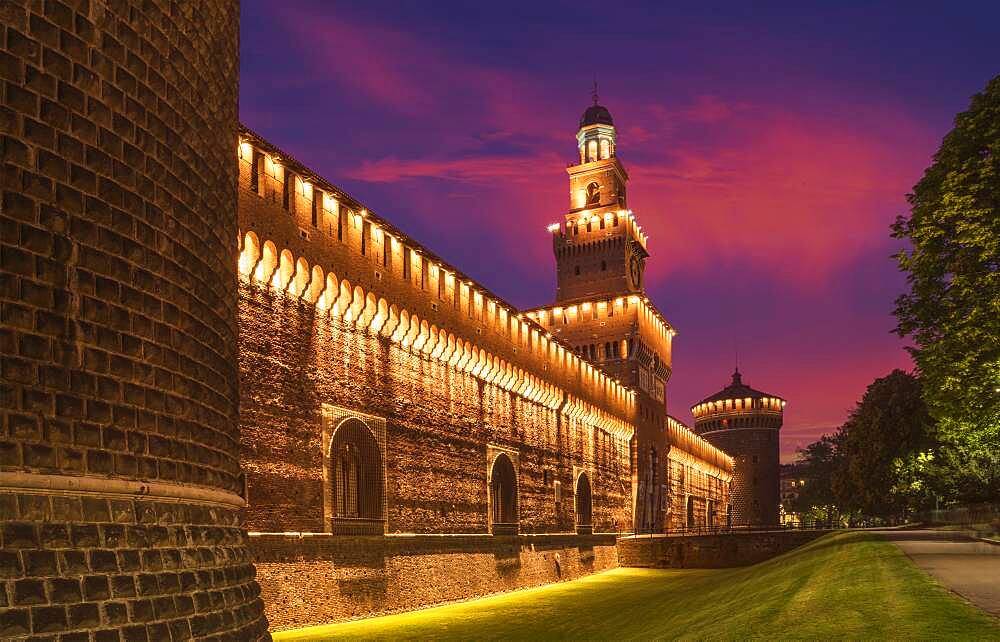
(792, 479)
(744, 423)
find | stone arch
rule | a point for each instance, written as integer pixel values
(381, 316)
(317, 281)
(357, 480)
(286, 268)
(402, 327)
(414, 332)
(423, 332)
(267, 264)
(367, 313)
(583, 501)
(344, 298)
(250, 254)
(357, 305)
(392, 321)
(300, 278)
(503, 496)
(330, 292)
(440, 345)
(449, 349)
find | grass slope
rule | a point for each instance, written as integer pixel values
(846, 585)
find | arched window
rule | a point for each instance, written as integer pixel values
(584, 505)
(503, 496)
(593, 195)
(357, 482)
(690, 512)
(591, 150)
(605, 148)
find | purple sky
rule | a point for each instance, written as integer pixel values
(768, 149)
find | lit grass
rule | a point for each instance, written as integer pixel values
(846, 585)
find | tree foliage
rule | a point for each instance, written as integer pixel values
(882, 462)
(952, 309)
(879, 448)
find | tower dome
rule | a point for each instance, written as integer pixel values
(596, 115)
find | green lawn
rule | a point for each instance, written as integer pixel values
(847, 585)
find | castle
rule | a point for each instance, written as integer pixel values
(202, 337)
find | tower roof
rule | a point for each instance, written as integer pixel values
(596, 115)
(737, 390)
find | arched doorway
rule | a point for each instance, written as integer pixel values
(357, 480)
(690, 512)
(584, 505)
(503, 496)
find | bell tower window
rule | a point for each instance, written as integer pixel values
(593, 194)
(605, 148)
(591, 150)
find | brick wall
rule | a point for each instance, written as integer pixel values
(322, 578)
(710, 551)
(439, 422)
(118, 337)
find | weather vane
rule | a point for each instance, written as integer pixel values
(595, 89)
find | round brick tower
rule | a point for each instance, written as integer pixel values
(120, 482)
(744, 423)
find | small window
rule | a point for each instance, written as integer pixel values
(406, 263)
(317, 203)
(604, 264)
(255, 171)
(755, 459)
(576, 270)
(288, 191)
(366, 230)
(341, 213)
(386, 251)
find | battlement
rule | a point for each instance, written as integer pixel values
(586, 226)
(311, 239)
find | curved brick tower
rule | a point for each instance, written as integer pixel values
(745, 422)
(120, 481)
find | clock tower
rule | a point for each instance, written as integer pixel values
(603, 250)
(601, 308)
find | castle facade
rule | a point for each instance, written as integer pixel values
(385, 393)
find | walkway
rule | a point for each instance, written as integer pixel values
(967, 566)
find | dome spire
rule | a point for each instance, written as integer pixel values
(594, 93)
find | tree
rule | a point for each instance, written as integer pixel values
(815, 500)
(952, 309)
(884, 449)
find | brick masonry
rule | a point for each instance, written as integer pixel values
(118, 306)
(710, 551)
(317, 579)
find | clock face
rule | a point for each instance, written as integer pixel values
(635, 272)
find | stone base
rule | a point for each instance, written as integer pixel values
(321, 578)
